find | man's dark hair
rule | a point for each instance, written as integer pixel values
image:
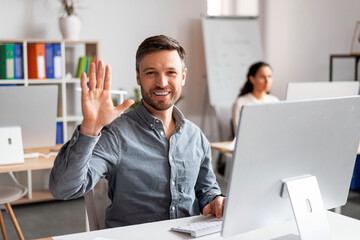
(156, 44)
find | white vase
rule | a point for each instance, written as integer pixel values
(70, 27)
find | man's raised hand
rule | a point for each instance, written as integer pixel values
(96, 103)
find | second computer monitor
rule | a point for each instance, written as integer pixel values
(316, 90)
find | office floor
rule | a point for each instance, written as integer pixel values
(64, 217)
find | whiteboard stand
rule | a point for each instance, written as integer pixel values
(208, 112)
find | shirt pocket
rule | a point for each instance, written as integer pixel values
(187, 170)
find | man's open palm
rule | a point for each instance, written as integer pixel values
(96, 103)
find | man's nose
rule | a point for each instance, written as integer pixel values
(161, 81)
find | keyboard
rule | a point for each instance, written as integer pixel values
(201, 228)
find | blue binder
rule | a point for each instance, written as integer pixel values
(49, 60)
(18, 62)
(57, 60)
(59, 133)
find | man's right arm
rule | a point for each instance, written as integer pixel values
(78, 167)
(72, 174)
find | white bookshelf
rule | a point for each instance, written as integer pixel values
(68, 96)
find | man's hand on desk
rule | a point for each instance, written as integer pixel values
(216, 207)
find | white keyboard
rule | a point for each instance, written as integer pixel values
(198, 229)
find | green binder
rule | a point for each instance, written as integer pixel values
(7, 70)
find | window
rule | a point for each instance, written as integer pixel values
(233, 7)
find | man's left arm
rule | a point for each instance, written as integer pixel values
(207, 189)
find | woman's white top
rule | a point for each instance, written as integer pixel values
(246, 99)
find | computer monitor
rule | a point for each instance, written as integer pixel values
(34, 109)
(312, 90)
(290, 140)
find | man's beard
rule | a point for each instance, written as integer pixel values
(159, 105)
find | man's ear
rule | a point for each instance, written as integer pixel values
(138, 78)
(184, 77)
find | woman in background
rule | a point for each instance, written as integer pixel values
(255, 90)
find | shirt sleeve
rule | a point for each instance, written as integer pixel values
(79, 165)
(206, 187)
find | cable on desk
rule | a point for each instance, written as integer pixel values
(37, 154)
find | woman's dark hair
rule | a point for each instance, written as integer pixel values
(248, 86)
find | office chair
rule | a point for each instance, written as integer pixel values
(10, 194)
(96, 201)
(91, 211)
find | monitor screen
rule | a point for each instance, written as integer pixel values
(34, 109)
(286, 140)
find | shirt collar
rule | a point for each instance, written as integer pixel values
(150, 120)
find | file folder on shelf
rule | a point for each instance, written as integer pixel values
(7, 61)
(49, 60)
(36, 61)
(18, 60)
(57, 60)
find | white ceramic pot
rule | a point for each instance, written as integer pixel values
(70, 27)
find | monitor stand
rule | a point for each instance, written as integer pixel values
(308, 207)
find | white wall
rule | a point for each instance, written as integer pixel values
(299, 37)
(120, 26)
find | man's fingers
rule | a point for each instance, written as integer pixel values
(125, 105)
(83, 82)
(207, 209)
(107, 80)
(92, 77)
(218, 208)
(99, 74)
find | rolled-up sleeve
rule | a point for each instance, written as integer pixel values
(77, 167)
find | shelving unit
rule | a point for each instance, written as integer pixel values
(69, 56)
(68, 97)
(356, 58)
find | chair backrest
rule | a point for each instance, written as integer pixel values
(12, 193)
(96, 201)
(91, 211)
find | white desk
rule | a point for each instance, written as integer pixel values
(342, 227)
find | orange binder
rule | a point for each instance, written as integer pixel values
(36, 61)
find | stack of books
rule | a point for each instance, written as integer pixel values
(84, 65)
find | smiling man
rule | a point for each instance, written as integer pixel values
(157, 163)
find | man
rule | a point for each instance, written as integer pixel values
(157, 163)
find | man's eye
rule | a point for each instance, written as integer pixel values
(172, 73)
(150, 73)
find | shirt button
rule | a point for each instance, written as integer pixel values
(161, 133)
(151, 125)
(157, 121)
(74, 138)
(173, 183)
(173, 208)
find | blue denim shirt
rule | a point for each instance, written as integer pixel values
(150, 177)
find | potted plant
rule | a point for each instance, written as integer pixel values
(70, 23)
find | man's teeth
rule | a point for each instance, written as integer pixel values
(161, 93)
